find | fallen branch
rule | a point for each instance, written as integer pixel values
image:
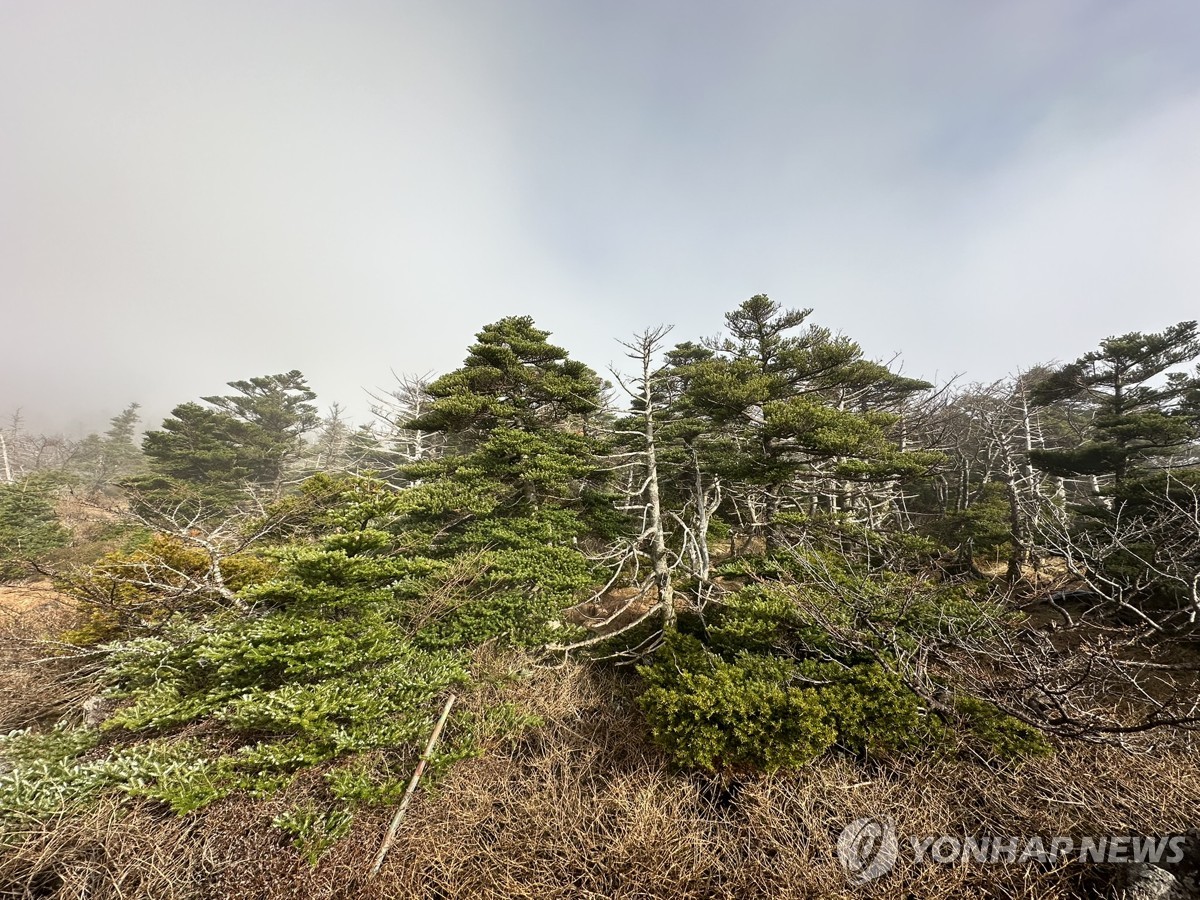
(390, 838)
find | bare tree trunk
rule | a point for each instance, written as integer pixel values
(703, 518)
(643, 349)
(658, 539)
(4, 452)
(1016, 526)
(770, 509)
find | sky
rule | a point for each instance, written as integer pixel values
(196, 191)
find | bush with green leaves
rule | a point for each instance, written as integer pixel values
(59, 771)
(761, 711)
(985, 526)
(314, 830)
(331, 666)
(820, 603)
(44, 773)
(785, 668)
(989, 729)
(351, 643)
(710, 713)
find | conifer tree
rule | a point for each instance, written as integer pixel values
(1136, 438)
(805, 410)
(366, 452)
(29, 524)
(330, 449)
(275, 412)
(102, 460)
(243, 439)
(1128, 417)
(519, 485)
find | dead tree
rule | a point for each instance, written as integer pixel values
(394, 409)
(184, 573)
(1141, 561)
(644, 392)
(1075, 681)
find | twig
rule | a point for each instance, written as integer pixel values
(390, 838)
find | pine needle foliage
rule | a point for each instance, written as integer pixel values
(29, 525)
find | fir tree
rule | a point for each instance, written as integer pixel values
(209, 454)
(29, 524)
(102, 460)
(519, 487)
(1129, 418)
(806, 413)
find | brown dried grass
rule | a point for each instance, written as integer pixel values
(582, 806)
(36, 681)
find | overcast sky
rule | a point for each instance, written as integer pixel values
(193, 192)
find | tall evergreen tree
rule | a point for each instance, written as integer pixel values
(250, 435)
(243, 439)
(201, 446)
(29, 524)
(805, 411)
(520, 485)
(276, 411)
(1128, 417)
(102, 460)
(329, 450)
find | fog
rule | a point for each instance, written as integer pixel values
(195, 192)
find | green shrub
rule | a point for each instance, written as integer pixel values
(993, 731)
(367, 781)
(314, 831)
(63, 769)
(308, 687)
(44, 773)
(755, 618)
(780, 671)
(711, 714)
(871, 708)
(985, 525)
(350, 650)
(756, 710)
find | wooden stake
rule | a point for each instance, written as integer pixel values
(390, 838)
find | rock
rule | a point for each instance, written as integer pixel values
(1176, 880)
(1146, 882)
(95, 710)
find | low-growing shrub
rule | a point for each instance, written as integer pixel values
(313, 830)
(711, 714)
(757, 710)
(989, 729)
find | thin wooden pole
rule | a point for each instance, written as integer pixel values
(390, 838)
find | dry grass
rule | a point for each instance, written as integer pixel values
(109, 852)
(583, 807)
(33, 606)
(35, 687)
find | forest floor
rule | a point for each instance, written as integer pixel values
(32, 598)
(583, 805)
